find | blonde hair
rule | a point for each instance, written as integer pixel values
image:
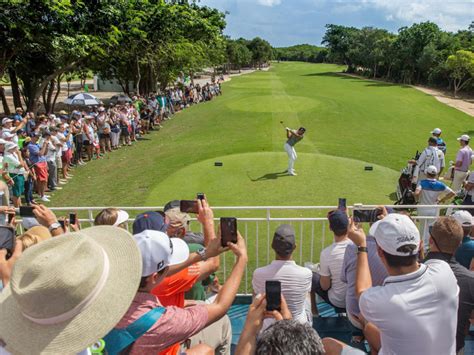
(33, 236)
(106, 217)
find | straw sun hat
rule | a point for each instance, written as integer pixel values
(67, 292)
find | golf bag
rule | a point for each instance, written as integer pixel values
(405, 188)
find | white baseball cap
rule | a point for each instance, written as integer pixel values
(394, 231)
(432, 170)
(6, 120)
(463, 217)
(122, 217)
(464, 138)
(158, 251)
(436, 131)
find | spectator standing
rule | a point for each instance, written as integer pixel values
(54, 147)
(431, 155)
(327, 282)
(445, 238)
(295, 280)
(16, 169)
(469, 187)
(430, 192)
(441, 143)
(414, 312)
(463, 162)
(18, 116)
(38, 158)
(465, 252)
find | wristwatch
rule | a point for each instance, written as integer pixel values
(54, 226)
(202, 253)
(361, 250)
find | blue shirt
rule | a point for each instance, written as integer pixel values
(465, 252)
(34, 150)
(17, 117)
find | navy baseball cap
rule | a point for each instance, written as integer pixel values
(149, 220)
(171, 204)
(338, 220)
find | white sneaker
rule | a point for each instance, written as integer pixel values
(44, 199)
(292, 173)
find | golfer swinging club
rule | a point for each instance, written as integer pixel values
(294, 136)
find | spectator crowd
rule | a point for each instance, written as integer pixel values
(39, 151)
(72, 290)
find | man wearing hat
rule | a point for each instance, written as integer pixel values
(441, 143)
(295, 280)
(465, 252)
(178, 226)
(414, 312)
(294, 136)
(431, 155)
(445, 238)
(176, 324)
(463, 162)
(430, 191)
(38, 158)
(8, 131)
(327, 282)
(66, 293)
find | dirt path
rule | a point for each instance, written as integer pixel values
(464, 105)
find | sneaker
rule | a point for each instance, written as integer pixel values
(292, 173)
(44, 199)
(47, 196)
(58, 188)
(69, 177)
(62, 182)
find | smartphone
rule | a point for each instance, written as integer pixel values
(72, 218)
(273, 295)
(342, 205)
(188, 206)
(200, 196)
(370, 216)
(7, 240)
(228, 230)
(62, 223)
(26, 211)
(10, 218)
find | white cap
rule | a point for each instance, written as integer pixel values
(395, 231)
(10, 146)
(122, 217)
(3, 141)
(464, 138)
(436, 131)
(463, 217)
(432, 170)
(158, 251)
(6, 120)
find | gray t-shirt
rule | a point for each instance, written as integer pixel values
(293, 140)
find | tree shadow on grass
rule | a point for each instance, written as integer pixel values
(270, 176)
(369, 81)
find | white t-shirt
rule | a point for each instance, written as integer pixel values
(416, 313)
(331, 261)
(295, 284)
(431, 156)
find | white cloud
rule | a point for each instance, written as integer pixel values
(269, 3)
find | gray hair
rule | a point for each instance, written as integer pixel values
(289, 337)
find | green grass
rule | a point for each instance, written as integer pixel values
(363, 121)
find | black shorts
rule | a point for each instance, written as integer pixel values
(86, 143)
(104, 135)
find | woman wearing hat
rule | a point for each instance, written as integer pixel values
(17, 169)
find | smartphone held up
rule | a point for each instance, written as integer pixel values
(228, 230)
(273, 295)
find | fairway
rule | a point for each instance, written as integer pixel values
(350, 123)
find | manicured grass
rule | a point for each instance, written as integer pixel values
(364, 121)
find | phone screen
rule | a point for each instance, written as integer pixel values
(228, 230)
(273, 295)
(342, 204)
(72, 218)
(63, 225)
(7, 240)
(200, 196)
(26, 211)
(188, 206)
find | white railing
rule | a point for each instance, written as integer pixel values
(257, 224)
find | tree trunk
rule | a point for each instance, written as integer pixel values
(49, 96)
(6, 109)
(15, 88)
(138, 77)
(45, 100)
(58, 90)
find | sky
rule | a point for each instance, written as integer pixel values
(289, 22)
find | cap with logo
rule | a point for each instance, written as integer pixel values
(159, 251)
(284, 241)
(464, 218)
(464, 138)
(395, 231)
(431, 170)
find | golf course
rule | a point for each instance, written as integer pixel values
(351, 123)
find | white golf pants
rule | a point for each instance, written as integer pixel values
(291, 157)
(459, 177)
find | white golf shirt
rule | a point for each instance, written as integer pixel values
(416, 313)
(295, 285)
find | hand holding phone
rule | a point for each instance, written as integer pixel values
(72, 218)
(228, 230)
(273, 295)
(26, 211)
(342, 204)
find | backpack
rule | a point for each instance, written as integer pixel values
(118, 341)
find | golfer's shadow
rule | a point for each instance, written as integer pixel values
(271, 176)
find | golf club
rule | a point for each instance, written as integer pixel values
(283, 124)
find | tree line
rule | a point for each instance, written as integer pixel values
(419, 54)
(144, 44)
(301, 53)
